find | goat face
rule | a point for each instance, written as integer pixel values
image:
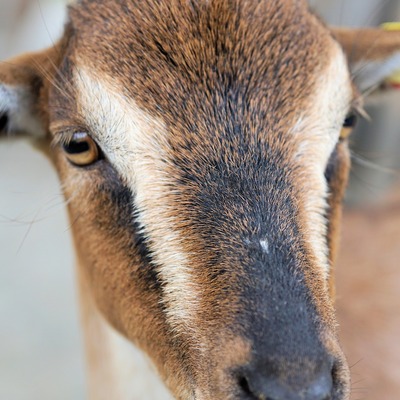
(199, 148)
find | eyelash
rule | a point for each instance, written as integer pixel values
(66, 136)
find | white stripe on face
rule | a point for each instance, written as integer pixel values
(318, 131)
(136, 145)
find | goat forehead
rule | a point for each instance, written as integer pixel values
(242, 173)
(188, 55)
(224, 85)
(216, 72)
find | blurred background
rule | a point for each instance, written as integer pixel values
(41, 355)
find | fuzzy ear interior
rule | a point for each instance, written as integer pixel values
(373, 54)
(21, 82)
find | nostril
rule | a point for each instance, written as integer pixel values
(244, 385)
(3, 121)
(245, 388)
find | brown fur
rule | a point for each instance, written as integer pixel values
(205, 69)
(190, 71)
(337, 188)
(190, 50)
(368, 44)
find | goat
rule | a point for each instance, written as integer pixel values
(202, 148)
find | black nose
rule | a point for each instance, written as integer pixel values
(256, 385)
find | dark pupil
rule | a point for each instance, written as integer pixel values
(350, 121)
(76, 147)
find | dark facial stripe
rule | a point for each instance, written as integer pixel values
(148, 268)
(124, 217)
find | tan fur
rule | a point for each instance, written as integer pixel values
(190, 58)
(317, 141)
(135, 143)
(116, 369)
(368, 44)
(187, 101)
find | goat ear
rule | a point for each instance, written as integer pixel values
(22, 80)
(373, 54)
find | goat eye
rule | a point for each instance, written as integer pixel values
(348, 125)
(350, 121)
(81, 150)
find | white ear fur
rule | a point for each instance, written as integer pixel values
(368, 74)
(21, 81)
(17, 106)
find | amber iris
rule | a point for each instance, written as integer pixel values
(81, 150)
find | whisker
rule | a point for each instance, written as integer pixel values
(373, 16)
(373, 189)
(34, 220)
(359, 381)
(356, 363)
(370, 164)
(44, 21)
(75, 220)
(376, 11)
(372, 155)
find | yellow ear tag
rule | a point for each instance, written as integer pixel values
(394, 80)
(391, 26)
